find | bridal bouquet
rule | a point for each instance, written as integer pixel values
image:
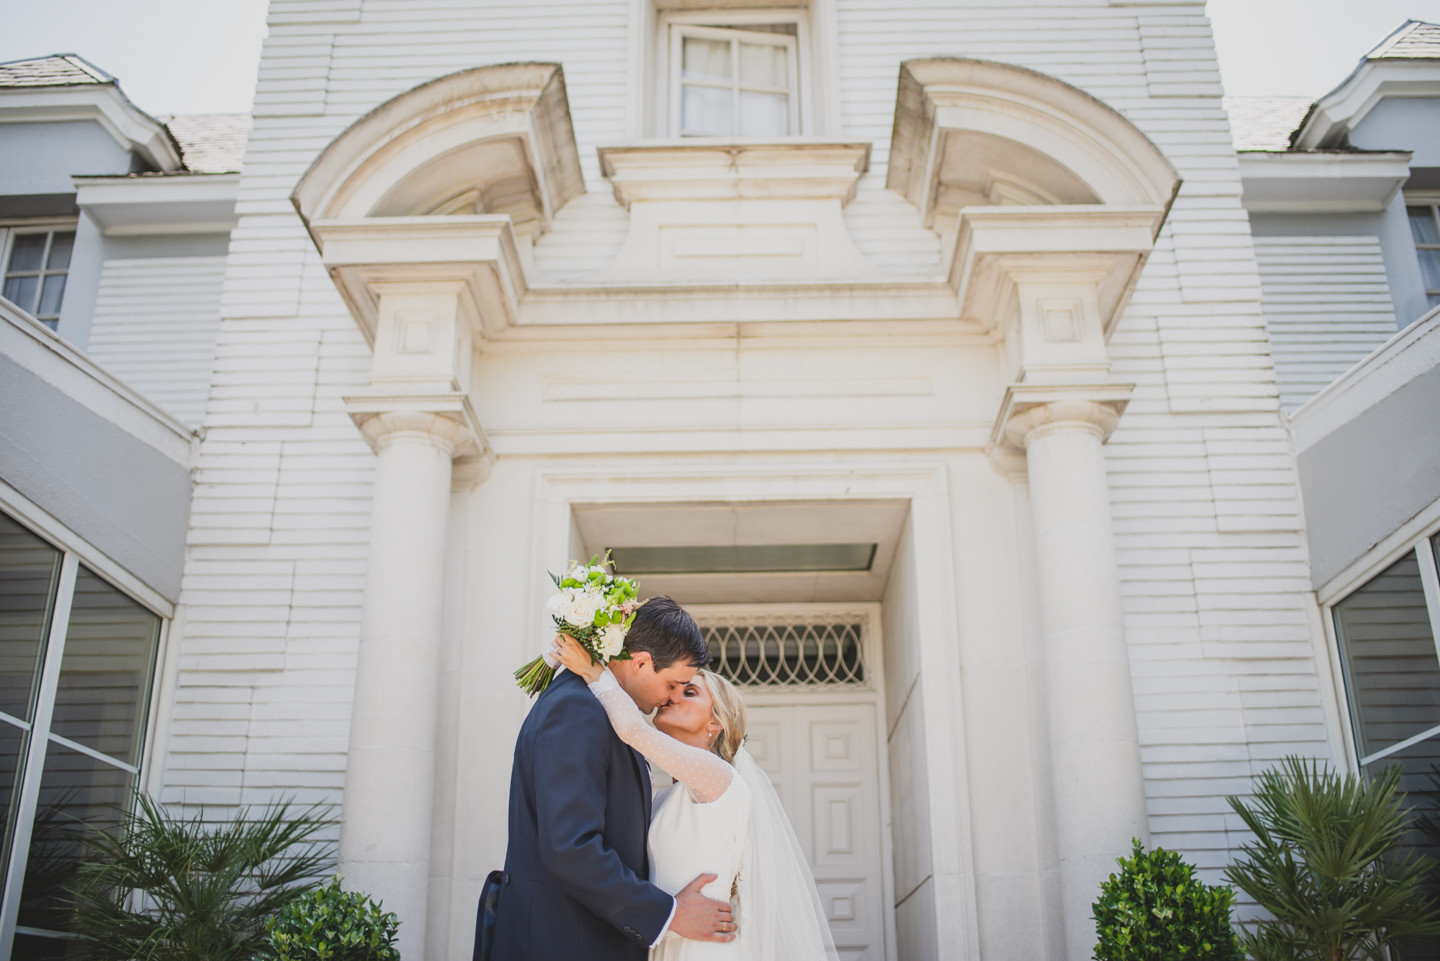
(593, 606)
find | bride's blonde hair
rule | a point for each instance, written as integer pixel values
(729, 709)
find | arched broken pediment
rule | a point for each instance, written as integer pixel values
(489, 140)
(973, 132)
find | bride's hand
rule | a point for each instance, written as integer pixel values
(575, 658)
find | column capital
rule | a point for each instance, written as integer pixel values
(1028, 408)
(446, 420)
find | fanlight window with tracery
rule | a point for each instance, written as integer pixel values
(793, 650)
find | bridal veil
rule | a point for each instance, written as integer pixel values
(780, 914)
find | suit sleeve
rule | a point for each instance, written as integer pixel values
(571, 754)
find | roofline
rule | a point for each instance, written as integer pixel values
(1313, 133)
(105, 103)
(101, 76)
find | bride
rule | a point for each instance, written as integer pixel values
(722, 817)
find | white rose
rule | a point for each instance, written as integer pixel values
(612, 640)
(582, 608)
(558, 603)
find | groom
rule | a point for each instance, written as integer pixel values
(575, 885)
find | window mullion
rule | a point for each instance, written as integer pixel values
(35, 753)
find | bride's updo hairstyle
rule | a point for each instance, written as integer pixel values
(729, 709)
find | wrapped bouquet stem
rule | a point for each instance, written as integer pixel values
(593, 606)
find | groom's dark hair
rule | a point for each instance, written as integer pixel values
(668, 633)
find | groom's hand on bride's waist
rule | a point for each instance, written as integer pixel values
(700, 918)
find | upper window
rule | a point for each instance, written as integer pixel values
(35, 269)
(734, 82)
(77, 659)
(1387, 631)
(734, 73)
(1425, 227)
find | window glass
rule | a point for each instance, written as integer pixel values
(705, 60)
(60, 247)
(763, 65)
(1420, 780)
(20, 291)
(1422, 225)
(35, 275)
(705, 111)
(51, 295)
(28, 251)
(1429, 268)
(764, 114)
(77, 792)
(29, 569)
(12, 750)
(736, 80)
(105, 674)
(1388, 651)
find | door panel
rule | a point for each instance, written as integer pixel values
(824, 764)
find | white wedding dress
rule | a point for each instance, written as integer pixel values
(724, 820)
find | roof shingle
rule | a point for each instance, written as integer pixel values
(56, 70)
(1265, 123)
(210, 142)
(1416, 40)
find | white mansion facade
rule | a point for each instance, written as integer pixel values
(947, 360)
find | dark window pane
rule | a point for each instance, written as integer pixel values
(28, 947)
(27, 252)
(29, 569)
(1389, 656)
(76, 792)
(12, 753)
(20, 291)
(105, 675)
(1430, 268)
(1422, 225)
(60, 247)
(1421, 784)
(53, 293)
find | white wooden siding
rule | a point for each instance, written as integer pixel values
(1204, 489)
(1327, 304)
(154, 328)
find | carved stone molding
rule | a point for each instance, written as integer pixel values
(446, 420)
(991, 131)
(705, 169)
(489, 140)
(1029, 409)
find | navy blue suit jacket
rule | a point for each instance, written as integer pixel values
(575, 884)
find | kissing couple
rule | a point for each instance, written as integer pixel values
(709, 870)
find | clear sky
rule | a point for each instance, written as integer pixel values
(199, 56)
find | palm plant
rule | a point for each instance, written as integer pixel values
(160, 888)
(1329, 865)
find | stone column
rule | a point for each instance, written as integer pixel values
(418, 418)
(1099, 792)
(390, 768)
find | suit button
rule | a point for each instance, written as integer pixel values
(505, 879)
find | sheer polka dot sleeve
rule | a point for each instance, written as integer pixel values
(704, 773)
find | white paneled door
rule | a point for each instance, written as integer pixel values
(822, 759)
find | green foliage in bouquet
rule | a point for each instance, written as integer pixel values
(329, 924)
(1330, 866)
(161, 888)
(1155, 909)
(593, 606)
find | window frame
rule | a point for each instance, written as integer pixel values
(1417, 535)
(9, 230)
(75, 551)
(1430, 199)
(734, 36)
(666, 58)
